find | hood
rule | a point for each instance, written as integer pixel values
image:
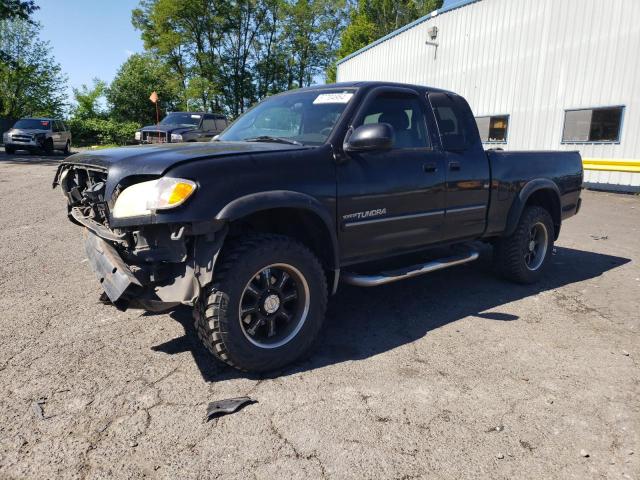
(156, 159)
(168, 128)
(25, 131)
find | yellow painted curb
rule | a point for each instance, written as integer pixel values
(611, 165)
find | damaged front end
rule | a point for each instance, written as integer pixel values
(155, 266)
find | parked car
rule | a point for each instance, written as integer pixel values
(179, 127)
(320, 185)
(38, 134)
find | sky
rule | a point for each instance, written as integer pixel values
(89, 38)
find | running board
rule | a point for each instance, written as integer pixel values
(412, 271)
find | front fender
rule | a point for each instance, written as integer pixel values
(256, 202)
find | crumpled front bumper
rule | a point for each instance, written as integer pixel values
(115, 276)
(149, 284)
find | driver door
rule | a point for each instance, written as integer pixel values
(393, 200)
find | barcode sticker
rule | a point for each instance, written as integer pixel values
(333, 98)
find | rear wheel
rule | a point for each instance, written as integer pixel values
(266, 305)
(67, 148)
(522, 256)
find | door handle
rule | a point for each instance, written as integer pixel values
(430, 167)
(455, 166)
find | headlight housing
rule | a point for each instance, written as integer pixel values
(146, 197)
(137, 135)
(176, 137)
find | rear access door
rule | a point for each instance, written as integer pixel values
(392, 200)
(468, 177)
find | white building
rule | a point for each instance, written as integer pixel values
(538, 74)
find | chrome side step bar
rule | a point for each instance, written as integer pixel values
(413, 271)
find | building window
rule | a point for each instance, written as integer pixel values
(601, 125)
(493, 129)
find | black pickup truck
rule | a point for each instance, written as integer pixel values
(344, 182)
(179, 127)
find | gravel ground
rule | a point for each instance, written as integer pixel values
(453, 375)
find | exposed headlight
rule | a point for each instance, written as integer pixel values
(137, 135)
(147, 197)
(176, 137)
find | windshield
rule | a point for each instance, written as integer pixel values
(33, 124)
(306, 117)
(187, 119)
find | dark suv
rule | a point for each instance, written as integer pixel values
(179, 127)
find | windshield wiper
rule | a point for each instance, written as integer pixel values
(269, 138)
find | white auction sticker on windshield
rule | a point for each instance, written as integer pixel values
(333, 98)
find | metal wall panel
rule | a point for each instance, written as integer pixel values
(528, 59)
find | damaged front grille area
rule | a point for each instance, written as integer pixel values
(85, 191)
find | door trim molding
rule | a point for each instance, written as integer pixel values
(470, 208)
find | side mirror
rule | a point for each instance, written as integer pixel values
(370, 137)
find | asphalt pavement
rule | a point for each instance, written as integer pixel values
(453, 375)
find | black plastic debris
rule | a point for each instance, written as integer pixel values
(224, 407)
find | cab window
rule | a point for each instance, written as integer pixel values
(455, 131)
(208, 123)
(404, 113)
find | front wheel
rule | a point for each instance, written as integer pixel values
(48, 147)
(266, 305)
(522, 256)
(9, 150)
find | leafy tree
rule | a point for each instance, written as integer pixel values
(373, 19)
(128, 94)
(31, 81)
(231, 54)
(17, 9)
(87, 100)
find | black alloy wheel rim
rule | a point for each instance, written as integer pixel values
(536, 246)
(274, 306)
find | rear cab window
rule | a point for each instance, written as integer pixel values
(455, 122)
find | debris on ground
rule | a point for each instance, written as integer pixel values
(625, 353)
(584, 453)
(229, 405)
(599, 237)
(499, 428)
(500, 456)
(37, 408)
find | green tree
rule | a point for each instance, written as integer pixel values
(17, 9)
(128, 94)
(373, 19)
(231, 54)
(88, 100)
(31, 81)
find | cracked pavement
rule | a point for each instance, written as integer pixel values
(453, 375)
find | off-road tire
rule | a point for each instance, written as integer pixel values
(217, 318)
(9, 150)
(509, 252)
